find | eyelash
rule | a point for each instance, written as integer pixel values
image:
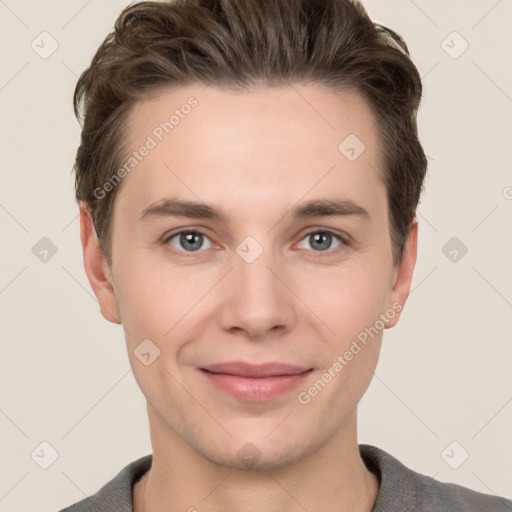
(188, 254)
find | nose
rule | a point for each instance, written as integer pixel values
(257, 300)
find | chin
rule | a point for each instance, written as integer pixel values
(258, 453)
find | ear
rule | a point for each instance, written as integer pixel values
(403, 275)
(96, 267)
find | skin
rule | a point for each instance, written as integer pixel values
(255, 156)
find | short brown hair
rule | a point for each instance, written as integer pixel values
(238, 44)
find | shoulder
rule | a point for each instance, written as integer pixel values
(117, 493)
(403, 489)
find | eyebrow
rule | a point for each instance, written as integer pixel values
(197, 210)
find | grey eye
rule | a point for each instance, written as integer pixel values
(190, 241)
(321, 240)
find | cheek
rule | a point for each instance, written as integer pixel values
(157, 304)
(157, 300)
(347, 299)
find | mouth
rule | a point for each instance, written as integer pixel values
(255, 383)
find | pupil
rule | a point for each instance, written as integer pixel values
(188, 238)
(317, 237)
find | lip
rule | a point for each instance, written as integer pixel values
(255, 383)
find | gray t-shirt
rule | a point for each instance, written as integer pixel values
(401, 489)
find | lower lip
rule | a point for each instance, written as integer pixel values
(252, 389)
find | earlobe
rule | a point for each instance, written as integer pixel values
(96, 267)
(403, 275)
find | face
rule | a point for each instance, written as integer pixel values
(254, 314)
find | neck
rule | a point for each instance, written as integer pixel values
(334, 477)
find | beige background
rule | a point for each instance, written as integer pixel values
(445, 370)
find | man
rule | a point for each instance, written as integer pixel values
(248, 178)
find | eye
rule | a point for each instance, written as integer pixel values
(320, 241)
(188, 241)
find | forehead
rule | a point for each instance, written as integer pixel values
(277, 143)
